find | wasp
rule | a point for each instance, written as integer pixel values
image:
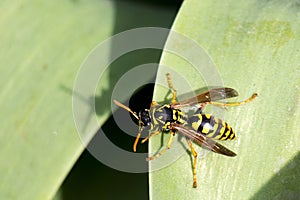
(200, 128)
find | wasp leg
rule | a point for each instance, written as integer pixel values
(164, 150)
(151, 134)
(171, 86)
(202, 106)
(194, 153)
(136, 141)
(153, 103)
(233, 103)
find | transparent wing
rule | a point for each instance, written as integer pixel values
(203, 141)
(211, 95)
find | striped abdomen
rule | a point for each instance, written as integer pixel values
(211, 127)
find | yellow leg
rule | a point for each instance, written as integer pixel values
(153, 103)
(233, 103)
(171, 86)
(136, 141)
(151, 134)
(164, 150)
(194, 153)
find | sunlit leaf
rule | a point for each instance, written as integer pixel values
(255, 48)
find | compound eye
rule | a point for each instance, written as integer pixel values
(147, 121)
(145, 118)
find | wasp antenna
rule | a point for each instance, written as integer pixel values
(126, 108)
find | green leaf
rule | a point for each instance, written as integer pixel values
(255, 48)
(43, 46)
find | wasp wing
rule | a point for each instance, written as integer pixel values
(204, 141)
(211, 95)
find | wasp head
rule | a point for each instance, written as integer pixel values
(144, 117)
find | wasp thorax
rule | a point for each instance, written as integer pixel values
(145, 117)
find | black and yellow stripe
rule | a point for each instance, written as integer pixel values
(164, 116)
(211, 127)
